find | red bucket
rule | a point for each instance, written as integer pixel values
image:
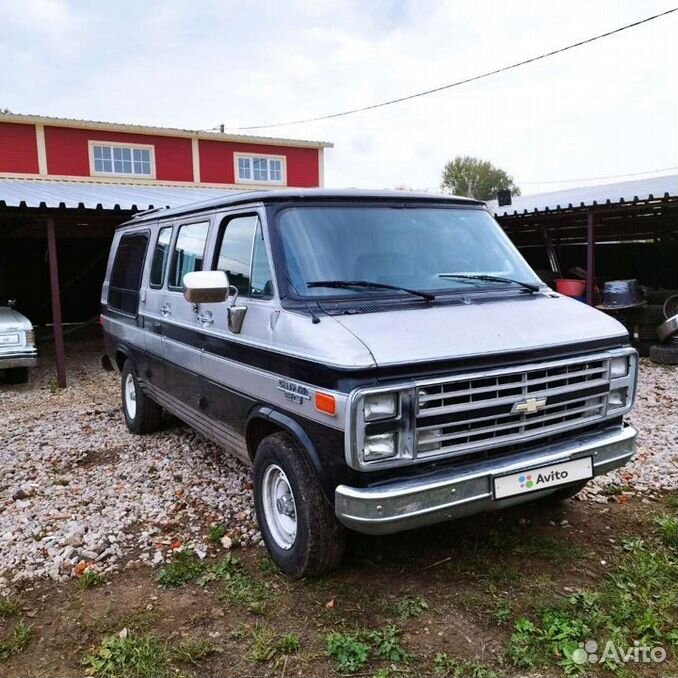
(571, 287)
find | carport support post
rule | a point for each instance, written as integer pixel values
(590, 258)
(56, 305)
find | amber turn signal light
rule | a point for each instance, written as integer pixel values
(325, 403)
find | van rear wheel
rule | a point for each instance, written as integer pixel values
(297, 522)
(142, 415)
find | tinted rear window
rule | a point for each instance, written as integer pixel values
(126, 274)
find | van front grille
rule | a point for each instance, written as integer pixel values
(500, 407)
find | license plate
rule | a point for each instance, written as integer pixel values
(535, 479)
(6, 339)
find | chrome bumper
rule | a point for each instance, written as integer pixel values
(26, 358)
(403, 505)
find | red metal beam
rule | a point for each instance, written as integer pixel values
(590, 258)
(56, 305)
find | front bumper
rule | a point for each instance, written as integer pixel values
(412, 503)
(25, 358)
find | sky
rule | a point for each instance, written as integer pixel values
(605, 109)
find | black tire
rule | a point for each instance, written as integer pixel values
(664, 355)
(17, 375)
(147, 414)
(320, 540)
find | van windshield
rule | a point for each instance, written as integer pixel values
(410, 247)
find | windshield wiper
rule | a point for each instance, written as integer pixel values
(367, 284)
(491, 278)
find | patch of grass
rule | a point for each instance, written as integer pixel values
(635, 602)
(410, 606)
(263, 645)
(186, 567)
(239, 586)
(289, 643)
(673, 500)
(667, 530)
(90, 579)
(215, 534)
(8, 608)
(460, 668)
(502, 612)
(16, 641)
(191, 651)
(348, 651)
(128, 656)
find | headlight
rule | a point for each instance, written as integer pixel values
(619, 367)
(380, 446)
(380, 406)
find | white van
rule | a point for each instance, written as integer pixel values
(384, 360)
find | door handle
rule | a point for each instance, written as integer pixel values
(205, 318)
(166, 310)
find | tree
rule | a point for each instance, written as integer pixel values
(476, 178)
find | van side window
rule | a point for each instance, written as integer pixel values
(160, 255)
(123, 293)
(242, 256)
(189, 252)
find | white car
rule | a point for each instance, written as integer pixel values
(17, 345)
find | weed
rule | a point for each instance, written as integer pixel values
(289, 643)
(673, 500)
(387, 644)
(185, 568)
(128, 656)
(667, 529)
(8, 608)
(190, 651)
(615, 490)
(502, 613)
(240, 587)
(460, 668)
(263, 646)
(383, 672)
(16, 641)
(348, 651)
(410, 606)
(215, 534)
(90, 579)
(267, 566)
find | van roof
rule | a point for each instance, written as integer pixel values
(301, 195)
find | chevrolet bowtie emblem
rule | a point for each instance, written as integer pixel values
(529, 406)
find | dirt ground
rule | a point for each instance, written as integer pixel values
(454, 591)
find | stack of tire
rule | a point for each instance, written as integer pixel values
(666, 352)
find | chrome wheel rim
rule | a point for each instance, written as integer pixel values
(130, 397)
(280, 509)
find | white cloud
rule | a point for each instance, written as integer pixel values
(606, 108)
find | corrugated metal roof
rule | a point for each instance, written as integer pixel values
(91, 195)
(587, 196)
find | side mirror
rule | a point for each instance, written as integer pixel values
(206, 287)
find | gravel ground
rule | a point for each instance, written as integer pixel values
(77, 490)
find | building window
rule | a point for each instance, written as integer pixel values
(122, 160)
(260, 169)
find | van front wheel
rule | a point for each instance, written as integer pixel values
(142, 415)
(297, 522)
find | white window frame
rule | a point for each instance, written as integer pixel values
(258, 156)
(116, 144)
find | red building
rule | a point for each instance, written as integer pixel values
(74, 150)
(65, 185)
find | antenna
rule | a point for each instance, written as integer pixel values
(314, 318)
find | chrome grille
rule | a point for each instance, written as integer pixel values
(477, 412)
